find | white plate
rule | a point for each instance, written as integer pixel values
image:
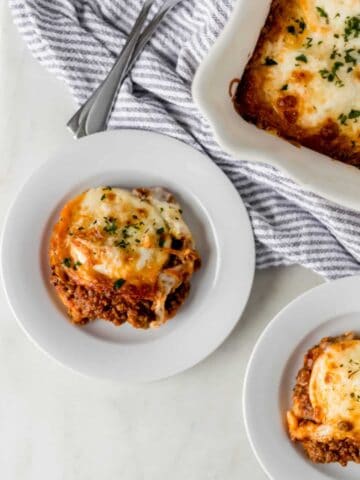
(227, 60)
(215, 214)
(330, 309)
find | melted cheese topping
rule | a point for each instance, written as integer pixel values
(316, 58)
(107, 234)
(334, 392)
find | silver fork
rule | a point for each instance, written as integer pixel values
(94, 114)
(77, 122)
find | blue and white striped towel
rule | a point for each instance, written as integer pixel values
(78, 40)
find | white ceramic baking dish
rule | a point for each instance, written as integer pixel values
(226, 60)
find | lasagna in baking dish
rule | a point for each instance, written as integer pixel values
(122, 256)
(325, 415)
(303, 80)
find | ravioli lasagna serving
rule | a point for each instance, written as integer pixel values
(122, 256)
(303, 80)
(325, 415)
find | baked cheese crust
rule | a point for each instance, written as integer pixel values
(303, 80)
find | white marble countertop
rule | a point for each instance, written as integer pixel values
(58, 425)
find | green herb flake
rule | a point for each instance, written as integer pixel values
(291, 29)
(110, 225)
(284, 87)
(323, 13)
(301, 58)
(349, 56)
(301, 23)
(67, 262)
(331, 75)
(160, 231)
(269, 62)
(122, 243)
(334, 53)
(343, 118)
(161, 242)
(119, 283)
(309, 42)
(354, 114)
(103, 197)
(107, 188)
(352, 28)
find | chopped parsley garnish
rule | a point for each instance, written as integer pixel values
(343, 118)
(301, 58)
(323, 14)
(331, 75)
(125, 232)
(110, 225)
(160, 230)
(161, 242)
(269, 62)
(309, 42)
(122, 243)
(67, 262)
(107, 188)
(284, 87)
(119, 283)
(103, 197)
(80, 228)
(334, 53)
(352, 28)
(301, 23)
(354, 114)
(76, 265)
(349, 58)
(291, 29)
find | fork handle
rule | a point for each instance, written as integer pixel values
(100, 110)
(77, 122)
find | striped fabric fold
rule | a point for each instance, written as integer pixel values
(78, 40)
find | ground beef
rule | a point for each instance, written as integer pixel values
(341, 451)
(85, 304)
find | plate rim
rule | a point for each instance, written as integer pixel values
(44, 166)
(278, 320)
